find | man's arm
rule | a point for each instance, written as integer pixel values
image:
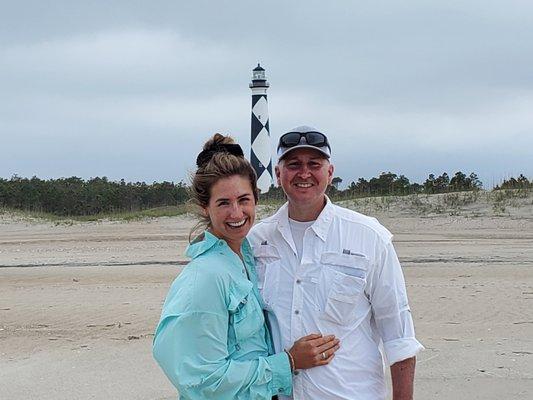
(403, 374)
(394, 321)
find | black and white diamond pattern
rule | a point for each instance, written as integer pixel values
(261, 157)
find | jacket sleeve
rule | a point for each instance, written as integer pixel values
(192, 350)
(391, 308)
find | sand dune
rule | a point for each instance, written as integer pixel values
(79, 302)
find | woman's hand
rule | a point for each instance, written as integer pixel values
(313, 350)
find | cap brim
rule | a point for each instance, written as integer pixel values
(283, 151)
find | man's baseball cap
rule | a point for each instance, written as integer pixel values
(303, 137)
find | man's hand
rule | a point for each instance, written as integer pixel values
(403, 374)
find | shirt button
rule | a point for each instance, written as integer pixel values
(280, 390)
(298, 281)
(237, 347)
(296, 312)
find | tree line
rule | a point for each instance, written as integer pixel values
(515, 183)
(78, 197)
(75, 196)
(388, 183)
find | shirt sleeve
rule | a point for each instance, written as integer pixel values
(390, 308)
(191, 348)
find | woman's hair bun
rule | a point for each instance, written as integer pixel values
(217, 140)
(218, 144)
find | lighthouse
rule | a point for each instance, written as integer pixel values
(260, 157)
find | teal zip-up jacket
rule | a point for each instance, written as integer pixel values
(212, 341)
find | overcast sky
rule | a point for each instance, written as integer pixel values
(131, 89)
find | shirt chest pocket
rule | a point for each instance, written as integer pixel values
(340, 292)
(267, 266)
(245, 314)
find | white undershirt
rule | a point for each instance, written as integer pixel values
(298, 229)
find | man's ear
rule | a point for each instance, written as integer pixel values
(331, 169)
(277, 171)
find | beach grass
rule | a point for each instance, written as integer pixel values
(468, 203)
(125, 216)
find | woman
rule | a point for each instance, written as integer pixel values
(212, 341)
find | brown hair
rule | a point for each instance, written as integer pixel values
(219, 164)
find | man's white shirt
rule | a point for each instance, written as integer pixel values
(348, 283)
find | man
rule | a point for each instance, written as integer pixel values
(323, 268)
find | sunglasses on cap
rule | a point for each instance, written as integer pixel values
(291, 139)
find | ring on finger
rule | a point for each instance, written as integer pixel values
(324, 356)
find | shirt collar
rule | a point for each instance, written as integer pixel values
(323, 222)
(202, 245)
(283, 226)
(320, 226)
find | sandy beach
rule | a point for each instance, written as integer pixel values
(79, 302)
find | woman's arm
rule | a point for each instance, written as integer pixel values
(192, 351)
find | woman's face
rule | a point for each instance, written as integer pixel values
(231, 210)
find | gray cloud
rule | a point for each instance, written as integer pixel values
(131, 89)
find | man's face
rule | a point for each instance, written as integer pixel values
(304, 175)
